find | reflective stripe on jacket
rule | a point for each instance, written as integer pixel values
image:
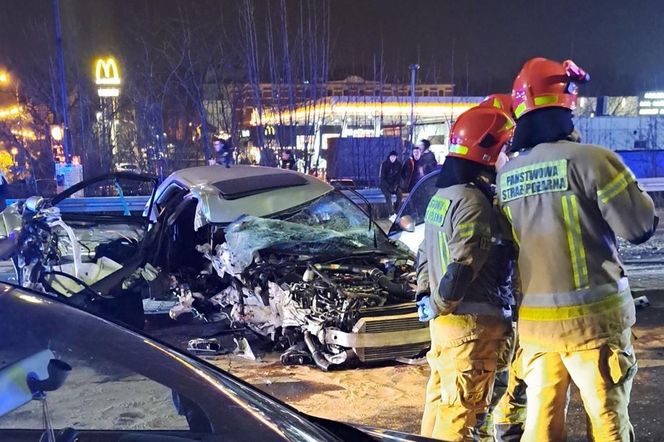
(567, 202)
(462, 261)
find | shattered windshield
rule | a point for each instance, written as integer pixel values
(330, 225)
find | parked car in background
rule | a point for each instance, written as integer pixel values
(127, 167)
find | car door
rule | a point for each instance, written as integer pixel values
(100, 229)
(414, 208)
(108, 209)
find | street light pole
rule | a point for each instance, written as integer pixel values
(14, 152)
(62, 80)
(413, 75)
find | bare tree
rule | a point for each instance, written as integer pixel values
(253, 74)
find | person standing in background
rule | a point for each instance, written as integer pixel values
(412, 171)
(287, 160)
(429, 162)
(390, 174)
(223, 153)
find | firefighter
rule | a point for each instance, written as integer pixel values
(461, 274)
(567, 202)
(507, 411)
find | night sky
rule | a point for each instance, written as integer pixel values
(479, 45)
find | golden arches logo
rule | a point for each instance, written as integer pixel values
(107, 72)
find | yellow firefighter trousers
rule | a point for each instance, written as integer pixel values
(504, 386)
(604, 377)
(463, 361)
(510, 413)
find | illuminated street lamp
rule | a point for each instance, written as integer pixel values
(57, 133)
(4, 77)
(14, 152)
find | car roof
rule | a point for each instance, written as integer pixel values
(227, 193)
(195, 176)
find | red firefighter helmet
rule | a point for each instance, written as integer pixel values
(546, 83)
(499, 101)
(479, 134)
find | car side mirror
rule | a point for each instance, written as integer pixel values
(58, 371)
(406, 223)
(34, 203)
(14, 389)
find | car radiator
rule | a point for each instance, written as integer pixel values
(385, 333)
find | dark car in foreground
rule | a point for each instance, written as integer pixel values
(68, 375)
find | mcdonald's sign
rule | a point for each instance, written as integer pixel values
(107, 72)
(107, 77)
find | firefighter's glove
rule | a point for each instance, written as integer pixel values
(426, 309)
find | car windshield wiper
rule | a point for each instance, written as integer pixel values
(369, 213)
(370, 252)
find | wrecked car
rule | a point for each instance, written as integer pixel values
(291, 258)
(279, 253)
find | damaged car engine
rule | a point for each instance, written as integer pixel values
(295, 301)
(310, 294)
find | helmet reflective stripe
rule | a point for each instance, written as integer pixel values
(459, 149)
(545, 99)
(520, 109)
(509, 125)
